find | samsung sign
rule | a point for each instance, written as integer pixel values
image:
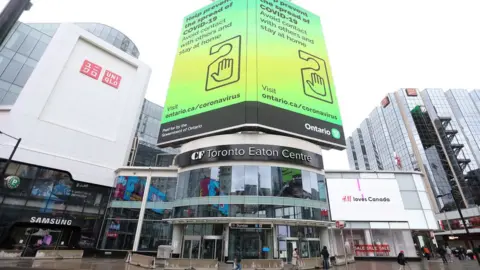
(52, 221)
(242, 152)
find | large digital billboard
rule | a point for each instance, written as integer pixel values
(252, 64)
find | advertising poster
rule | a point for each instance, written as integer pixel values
(208, 85)
(211, 187)
(131, 188)
(252, 64)
(365, 200)
(295, 87)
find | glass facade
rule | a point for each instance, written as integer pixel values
(144, 151)
(240, 191)
(251, 191)
(44, 209)
(25, 45)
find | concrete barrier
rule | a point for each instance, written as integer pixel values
(59, 254)
(262, 264)
(176, 264)
(311, 263)
(10, 254)
(141, 260)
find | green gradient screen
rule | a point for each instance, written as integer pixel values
(245, 63)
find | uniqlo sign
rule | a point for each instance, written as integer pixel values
(111, 79)
(91, 70)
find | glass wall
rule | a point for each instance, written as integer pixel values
(37, 201)
(124, 212)
(251, 191)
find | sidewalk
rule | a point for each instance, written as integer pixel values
(119, 264)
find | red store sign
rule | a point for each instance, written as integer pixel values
(111, 79)
(361, 249)
(90, 69)
(93, 70)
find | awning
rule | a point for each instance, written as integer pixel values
(247, 220)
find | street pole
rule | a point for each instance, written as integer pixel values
(466, 228)
(2, 176)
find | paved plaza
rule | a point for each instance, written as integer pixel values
(111, 264)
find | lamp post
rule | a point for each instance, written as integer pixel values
(4, 170)
(467, 232)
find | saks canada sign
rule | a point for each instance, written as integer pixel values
(242, 152)
(52, 221)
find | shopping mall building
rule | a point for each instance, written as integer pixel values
(74, 94)
(261, 196)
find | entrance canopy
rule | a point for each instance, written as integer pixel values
(247, 220)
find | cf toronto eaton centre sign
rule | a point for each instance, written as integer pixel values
(242, 152)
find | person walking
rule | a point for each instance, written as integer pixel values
(238, 265)
(449, 254)
(442, 252)
(295, 258)
(326, 257)
(426, 251)
(401, 260)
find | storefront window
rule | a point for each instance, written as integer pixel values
(154, 234)
(118, 234)
(404, 241)
(383, 243)
(47, 202)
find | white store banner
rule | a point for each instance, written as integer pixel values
(365, 200)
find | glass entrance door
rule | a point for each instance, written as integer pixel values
(191, 247)
(212, 247)
(286, 246)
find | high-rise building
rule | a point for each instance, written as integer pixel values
(432, 131)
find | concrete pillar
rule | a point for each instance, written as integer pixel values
(275, 242)
(177, 236)
(325, 239)
(226, 234)
(368, 241)
(142, 213)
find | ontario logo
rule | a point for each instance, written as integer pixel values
(362, 198)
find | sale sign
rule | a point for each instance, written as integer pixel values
(90, 69)
(111, 79)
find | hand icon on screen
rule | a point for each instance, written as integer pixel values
(317, 84)
(224, 70)
(224, 64)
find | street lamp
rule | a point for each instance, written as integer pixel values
(464, 223)
(4, 170)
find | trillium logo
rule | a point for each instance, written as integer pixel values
(336, 133)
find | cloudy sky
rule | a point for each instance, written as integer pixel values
(375, 46)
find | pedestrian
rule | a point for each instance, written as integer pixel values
(295, 257)
(401, 260)
(449, 253)
(470, 254)
(461, 253)
(442, 252)
(238, 265)
(426, 251)
(326, 257)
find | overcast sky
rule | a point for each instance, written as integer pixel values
(375, 46)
